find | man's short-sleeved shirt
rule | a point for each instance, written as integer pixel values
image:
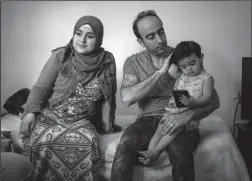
(141, 65)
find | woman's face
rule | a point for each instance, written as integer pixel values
(84, 40)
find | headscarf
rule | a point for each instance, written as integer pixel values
(88, 65)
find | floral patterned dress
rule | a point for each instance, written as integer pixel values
(195, 88)
(64, 143)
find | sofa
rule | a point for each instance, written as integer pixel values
(217, 157)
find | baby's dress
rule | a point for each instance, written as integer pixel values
(193, 86)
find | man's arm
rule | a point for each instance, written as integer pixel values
(198, 113)
(174, 71)
(204, 111)
(132, 90)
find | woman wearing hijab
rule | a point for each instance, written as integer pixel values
(72, 102)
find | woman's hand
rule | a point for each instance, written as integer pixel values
(27, 124)
(172, 122)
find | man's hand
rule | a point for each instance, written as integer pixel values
(166, 64)
(174, 71)
(172, 122)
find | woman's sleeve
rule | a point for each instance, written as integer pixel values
(113, 97)
(108, 111)
(38, 97)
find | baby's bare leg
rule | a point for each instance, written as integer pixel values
(146, 156)
(156, 137)
(159, 142)
(153, 154)
(163, 143)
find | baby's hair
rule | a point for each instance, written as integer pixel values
(185, 49)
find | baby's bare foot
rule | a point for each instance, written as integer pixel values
(143, 161)
(152, 155)
(148, 158)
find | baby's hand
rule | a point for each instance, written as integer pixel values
(187, 101)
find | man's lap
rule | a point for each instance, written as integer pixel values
(184, 143)
(142, 130)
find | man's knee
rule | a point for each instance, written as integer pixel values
(130, 135)
(183, 146)
(185, 141)
(127, 147)
(184, 159)
(16, 167)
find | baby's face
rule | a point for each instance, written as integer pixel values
(191, 65)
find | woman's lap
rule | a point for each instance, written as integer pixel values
(62, 151)
(15, 167)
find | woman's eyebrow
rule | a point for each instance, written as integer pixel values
(80, 31)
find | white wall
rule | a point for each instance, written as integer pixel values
(31, 29)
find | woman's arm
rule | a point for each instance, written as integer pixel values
(113, 102)
(40, 92)
(106, 126)
(108, 108)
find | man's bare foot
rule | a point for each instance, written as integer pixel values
(147, 158)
